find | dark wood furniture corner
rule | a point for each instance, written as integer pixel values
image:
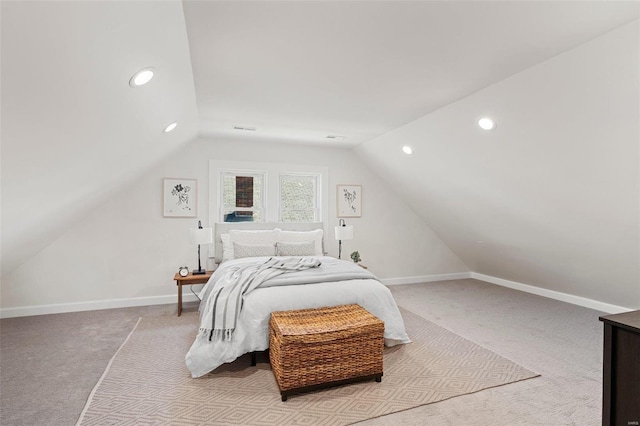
(621, 369)
(189, 280)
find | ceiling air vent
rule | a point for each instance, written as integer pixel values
(247, 128)
(336, 137)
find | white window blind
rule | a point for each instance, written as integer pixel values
(299, 198)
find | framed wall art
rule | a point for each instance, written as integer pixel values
(349, 200)
(180, 197)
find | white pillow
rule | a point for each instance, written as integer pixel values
(253, 250)
(268, 236)
(303, 236)
(307, 248)
(227, 247)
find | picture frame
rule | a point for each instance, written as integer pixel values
(349, 200)
(179, 197)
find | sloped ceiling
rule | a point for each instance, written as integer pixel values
(301, 71)
(551, 196)
(73, 131)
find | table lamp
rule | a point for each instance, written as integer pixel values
(199, 236)
(343, 232)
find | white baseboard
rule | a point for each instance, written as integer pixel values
(26, 311)
(188, 297)
(426, 278)
(563, 297)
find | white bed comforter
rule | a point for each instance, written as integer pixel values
(252, 329)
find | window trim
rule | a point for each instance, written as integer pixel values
(272, 184)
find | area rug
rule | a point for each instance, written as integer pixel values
(147, 381)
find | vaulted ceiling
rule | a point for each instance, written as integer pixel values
(302, 71)
(74, 131)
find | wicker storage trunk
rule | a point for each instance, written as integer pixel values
(314, 348)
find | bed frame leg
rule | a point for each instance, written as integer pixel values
(253, 359)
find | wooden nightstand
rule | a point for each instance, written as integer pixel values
(189, 280)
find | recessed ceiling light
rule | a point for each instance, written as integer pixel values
(170, 127)
(141, 78)
(407, 150)
(486, 123)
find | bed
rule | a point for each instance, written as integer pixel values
(320, 281)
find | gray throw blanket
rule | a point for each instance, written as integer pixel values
(223, 296)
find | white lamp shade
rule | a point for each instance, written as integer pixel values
(344, 232)
(201, 235)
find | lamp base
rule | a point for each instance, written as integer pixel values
(198, 272)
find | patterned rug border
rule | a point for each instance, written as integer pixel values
(402, 310)
(536, 375)
(532, 375)
(105, 372)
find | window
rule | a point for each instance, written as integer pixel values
(242, 197)
(299, 198)
(267, 192)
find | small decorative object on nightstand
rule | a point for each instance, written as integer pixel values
(355, 256)
(183, 271)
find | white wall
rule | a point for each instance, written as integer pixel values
(553, 192)
(70, 118)
(126, 249)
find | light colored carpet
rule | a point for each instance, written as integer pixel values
(147, 381)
